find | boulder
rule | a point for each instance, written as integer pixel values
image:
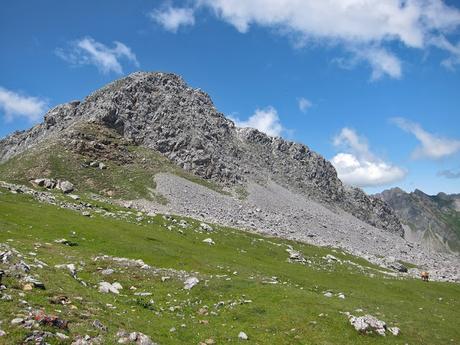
(243, 336)
(106, 287)
(206, 227)
(209, 241)
(398, 267)
(66, 186)
(190, 283)
(295, 256)
(370, 324)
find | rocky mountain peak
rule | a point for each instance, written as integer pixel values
(161, 112)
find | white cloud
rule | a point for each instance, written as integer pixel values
(16, 105)
(382, 63)
(454, 59)
(362, 27)
(358, 166)
(88, 51)
(304, 104)
(265, 120)
(431, 146)
(172, 18)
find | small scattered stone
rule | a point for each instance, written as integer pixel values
(394, 330)
(66, 186)
(27, 287)
(17, 321)
(61, 336)
(243, 336)
(295, 256)
(106, 287)
(206, 227)
(107, 271)
(190, 283)
(142, 294)
(99, 325)
(368, 324)
(66, 242)
(209, 241)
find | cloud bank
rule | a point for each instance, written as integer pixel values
(366, 29)
(15, 105)
(358, 166)
(88, 51)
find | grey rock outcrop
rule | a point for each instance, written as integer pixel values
(370, 324)
(160, 111)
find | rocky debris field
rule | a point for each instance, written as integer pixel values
(271, 210)
(64, 186)
(274, 210)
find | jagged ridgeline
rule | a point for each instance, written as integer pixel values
(432, 220)
(148, 123)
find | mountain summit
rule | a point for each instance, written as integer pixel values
(160, 111)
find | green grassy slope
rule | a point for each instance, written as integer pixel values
(284, 313)
(130, 168)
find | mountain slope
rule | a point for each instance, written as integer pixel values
(247, 282)
(159, 111)
(432, 220)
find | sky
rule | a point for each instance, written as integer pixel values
(373, 86)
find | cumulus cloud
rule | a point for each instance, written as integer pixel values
(172, 18)
(265, 120)
(358, 166)
(304, 104)
(431, 146)
(449, 174)
(15, 105)
(364, 28)
(88, 51)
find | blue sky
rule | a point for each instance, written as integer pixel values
(371, 85)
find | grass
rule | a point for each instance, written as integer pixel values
(408, 264)
(130, 168)
(284, 313)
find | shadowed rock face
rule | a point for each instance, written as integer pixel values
(160, 111)
(432, 220)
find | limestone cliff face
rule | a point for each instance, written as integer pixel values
(160, 111)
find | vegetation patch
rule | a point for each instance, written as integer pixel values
(246, 283)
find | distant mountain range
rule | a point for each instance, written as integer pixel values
(431, 220)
